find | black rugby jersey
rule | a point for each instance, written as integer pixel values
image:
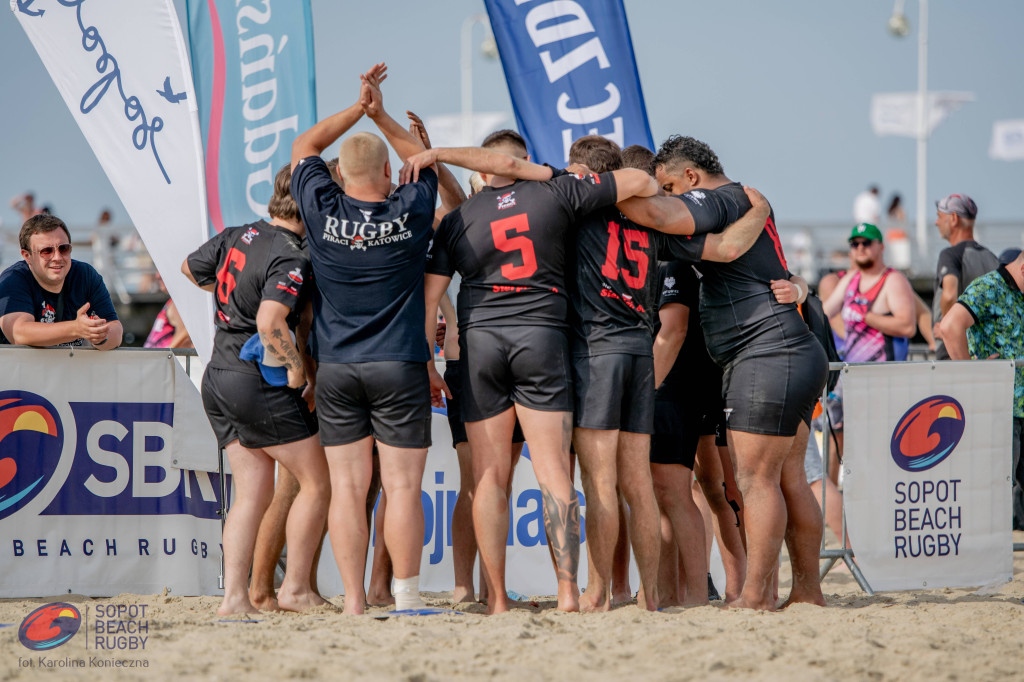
(249, 264)
(509, 245)
(368, 259)
(679, 284)
(613, 282)
(737, 307)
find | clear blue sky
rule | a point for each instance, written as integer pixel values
(781, 90)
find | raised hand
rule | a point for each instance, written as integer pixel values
(417, 128)
(411, 170)
(370, 97)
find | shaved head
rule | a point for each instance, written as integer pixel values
(362, 157)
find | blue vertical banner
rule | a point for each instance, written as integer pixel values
(254, 75)
(571, 72)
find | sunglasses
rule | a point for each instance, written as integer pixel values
(858, 243)
(47, 252)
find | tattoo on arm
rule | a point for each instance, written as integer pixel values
(562, 525)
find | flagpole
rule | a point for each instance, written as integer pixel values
(922, 129)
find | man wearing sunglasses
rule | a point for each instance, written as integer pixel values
(48, 299)
(876, 301)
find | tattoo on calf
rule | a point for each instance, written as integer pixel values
(562, 525)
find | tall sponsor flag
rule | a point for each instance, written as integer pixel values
(570, 72)
(254, 77)
(895, 113)
(1007, 140)
(927, 463)
(122, 70)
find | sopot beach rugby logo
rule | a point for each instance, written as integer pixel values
(31, 441)
(927, 433)
(49, 626)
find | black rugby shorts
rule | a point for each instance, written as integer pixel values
(453, 405)
(526, 366)
(770, 392)
(242, 405)
(387, 400)
(614, 391)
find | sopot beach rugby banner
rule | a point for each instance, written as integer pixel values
(122, 70)
(927, 472)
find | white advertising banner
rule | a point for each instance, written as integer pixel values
(123, 71)
(927, 472)
(895, 113)
(1007, 140)
(528, 569)
(90, 502)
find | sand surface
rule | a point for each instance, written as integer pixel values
(942, 634)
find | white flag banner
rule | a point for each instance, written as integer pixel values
(1007, 140)
(895, 113)
(123, 71)
(446, 130)
(927, 472)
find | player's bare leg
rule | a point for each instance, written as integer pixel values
(253, 473)
(597, 452)
(270, 542)
(724, 500)
(401, 476)
(672, 487)
(490, 447)
(668, 566)
(351, 466)
(621, 592)
(634, 475)
(549, 435)
(759, 463)
(803, 527)
(463, 539)
(304, 530)
(381, 570)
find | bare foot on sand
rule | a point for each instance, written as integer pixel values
(265, 602)
(236, 605)
(379, 597)
(461, 595)
(299, 601)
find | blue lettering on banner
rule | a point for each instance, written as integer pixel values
(525, 518)
(926, 518)
(590, 84)
(122, 466)
(144, 134)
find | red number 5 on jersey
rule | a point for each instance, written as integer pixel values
(499, 232)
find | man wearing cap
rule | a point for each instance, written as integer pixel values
(877, 302)
(959, 264)
(987, 321)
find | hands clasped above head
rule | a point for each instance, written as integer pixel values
(370, 97)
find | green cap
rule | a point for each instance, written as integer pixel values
(866, 231)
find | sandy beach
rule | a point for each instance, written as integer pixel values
(947, 634)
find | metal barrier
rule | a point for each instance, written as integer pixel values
(845, 552)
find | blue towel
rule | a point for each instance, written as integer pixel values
(253, 350)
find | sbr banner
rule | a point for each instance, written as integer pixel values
(90, 501)
(927, 472)
(122, 70)
(571, 72)
(254, 74)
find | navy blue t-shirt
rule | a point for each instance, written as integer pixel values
(368, 261)
(21, 293)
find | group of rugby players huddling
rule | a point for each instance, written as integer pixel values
(554, 339)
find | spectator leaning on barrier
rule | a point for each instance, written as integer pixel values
(988, 322)
(959, 264)
(48, 299)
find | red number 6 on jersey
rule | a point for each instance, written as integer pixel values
(499, 231)
(225, 277)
